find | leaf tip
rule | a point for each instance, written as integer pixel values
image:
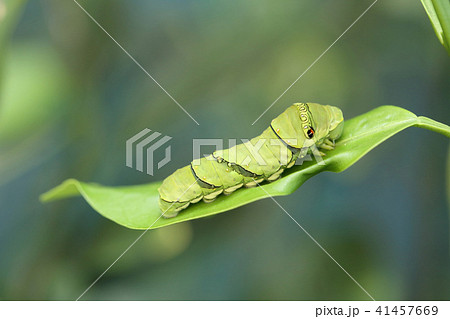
(68, 188)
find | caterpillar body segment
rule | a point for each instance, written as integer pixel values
(260, 157)
(294, 133)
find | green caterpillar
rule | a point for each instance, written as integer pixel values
(302, 128)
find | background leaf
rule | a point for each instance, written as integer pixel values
(439, 13)
(137, 206)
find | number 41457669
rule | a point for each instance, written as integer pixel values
(407, 310)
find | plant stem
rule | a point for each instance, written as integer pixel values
(433, 125)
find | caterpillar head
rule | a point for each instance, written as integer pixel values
(328, 120)
(305, 124)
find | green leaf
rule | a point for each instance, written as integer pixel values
(439, 13)
(137, 206)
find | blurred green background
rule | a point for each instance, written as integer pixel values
(70, 98)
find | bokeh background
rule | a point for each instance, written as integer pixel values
(70, 98)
